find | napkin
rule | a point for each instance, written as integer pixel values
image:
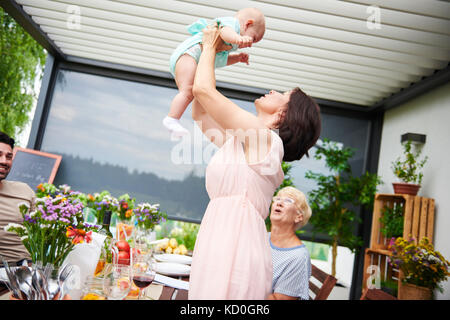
(84, 257)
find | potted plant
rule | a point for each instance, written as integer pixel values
(408, 171)
(125, 207)
(392, 222)
(52, 229)
(147, 217)
(423, 268)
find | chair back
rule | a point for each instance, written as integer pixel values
(376, 294)
(326, 283)
(169, 293)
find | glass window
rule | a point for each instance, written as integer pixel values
(110, 134)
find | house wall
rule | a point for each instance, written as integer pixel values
(427, 114)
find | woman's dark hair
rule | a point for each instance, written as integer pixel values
(301, 126)
(4, 138)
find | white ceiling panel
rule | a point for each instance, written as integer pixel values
(332, 49)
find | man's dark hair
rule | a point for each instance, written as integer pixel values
(4, 138)
(301, 126)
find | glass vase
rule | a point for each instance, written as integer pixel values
(124, 229)
(142, 238)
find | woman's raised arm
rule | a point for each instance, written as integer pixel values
(210, 128)
(223, 111)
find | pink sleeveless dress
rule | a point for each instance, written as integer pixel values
(232, 257)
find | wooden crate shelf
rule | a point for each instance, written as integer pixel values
(379, 259)
(418, 215)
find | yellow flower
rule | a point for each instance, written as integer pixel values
(128, 213)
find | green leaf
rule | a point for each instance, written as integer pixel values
(21, 57)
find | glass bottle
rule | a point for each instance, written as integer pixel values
(105, 226)
(109, 253)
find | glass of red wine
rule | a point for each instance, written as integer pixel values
(143, 273)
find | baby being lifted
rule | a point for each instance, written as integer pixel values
(241, 31)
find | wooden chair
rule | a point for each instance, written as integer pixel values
(376, 294)
(327, 281)
(181, 295)
(170, 293)
(167, 293)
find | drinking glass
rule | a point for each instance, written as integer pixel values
(117, 284)
(143, 272)
(93, 289)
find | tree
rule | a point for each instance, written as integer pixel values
(20, 58)
(337, 196)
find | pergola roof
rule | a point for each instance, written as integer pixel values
(331, 49)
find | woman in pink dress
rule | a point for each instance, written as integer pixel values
(232, 256)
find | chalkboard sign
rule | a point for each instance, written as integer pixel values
(33, 167)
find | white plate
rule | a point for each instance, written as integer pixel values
(173, 269)
(175, 258)
(171, 282)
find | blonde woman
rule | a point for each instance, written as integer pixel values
(291, 262)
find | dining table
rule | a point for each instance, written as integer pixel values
(164, 287)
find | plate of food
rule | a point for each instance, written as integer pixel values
(175, 258)
(173, 269)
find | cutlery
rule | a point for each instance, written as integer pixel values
(48, 270)
(65, 273)
(42, 283)
(35, 282)
(12, 281)
(52, 288)
(24, 280)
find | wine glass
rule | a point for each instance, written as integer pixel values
(117, 284)
(143, 272)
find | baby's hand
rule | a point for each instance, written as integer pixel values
(245, 41)
(243, 57)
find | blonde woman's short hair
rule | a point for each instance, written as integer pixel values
(300, 202)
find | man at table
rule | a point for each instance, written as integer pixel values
(12, 193)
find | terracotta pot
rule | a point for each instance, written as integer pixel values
(406, 188)
(407, 291)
